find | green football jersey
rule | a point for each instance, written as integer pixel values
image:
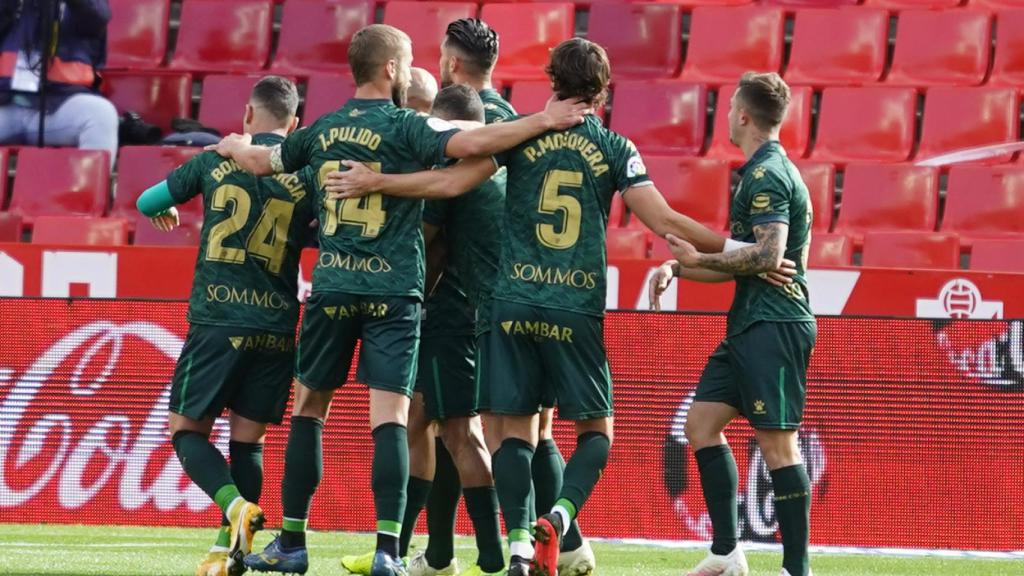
(253, 232)
(371, 245)
(496, 108)
(560, 189)
(771, 190)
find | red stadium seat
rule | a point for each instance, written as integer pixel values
(185, 235)
(873, 123)
(137, 33)
(830, 250)
(957, 118)
(325, 94)
(60, 182)
(820, 178)
(794, 135)
(528, 32)
(909, 4)
(215, 38)
(530, 97)
(140, 167)
(880, 197)
(1008, 66)
(663, 117)
(911, 250)
(10, 227)
(626, 243)
(5, 155)
(998, 255)
(158, 97)
(711, 2)
(642, 40)
(222, 105)
(617, 212)
(985, 202)
(811, 3)
(838, 47)
(315, 35)
(726, 42)
(80, 230)
(996, 4)
(697, 187)
(426, 22)
(961, 59)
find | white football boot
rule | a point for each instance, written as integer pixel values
(732, 564)
(418, 567)
(579, 562)
(786, 573)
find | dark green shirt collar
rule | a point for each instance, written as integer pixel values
(767, 149)
(267, 139)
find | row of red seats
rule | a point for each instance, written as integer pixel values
(830, 47)
(664, 116)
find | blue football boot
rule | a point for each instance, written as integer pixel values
(385, 565)
(276, 559)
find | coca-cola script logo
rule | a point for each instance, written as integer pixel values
(990, 352)
(77, 427)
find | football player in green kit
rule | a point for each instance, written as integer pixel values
(546, 332)
(760, 369)
(368, 282)
(239, 353)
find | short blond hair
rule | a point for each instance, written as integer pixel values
(372, 47)
(765, 96)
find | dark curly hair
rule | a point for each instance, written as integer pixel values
(476, 42)
(579, 69)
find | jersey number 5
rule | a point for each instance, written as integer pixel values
(551, 202)
(367, 212)
(267, 240)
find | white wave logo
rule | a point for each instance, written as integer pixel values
(110, 438)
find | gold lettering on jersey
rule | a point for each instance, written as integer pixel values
(538, 330)
(223, 169)
(363, 309)
(224, 294)
(372, 265)
(293, 185)
(568, 141)
(263, 342)
(353, 134)
(557, 276)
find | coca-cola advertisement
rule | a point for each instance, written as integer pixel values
(911, 432)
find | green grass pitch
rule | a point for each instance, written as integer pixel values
(52, 550)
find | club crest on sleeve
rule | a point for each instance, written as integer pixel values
(635, 167)
(758, 172)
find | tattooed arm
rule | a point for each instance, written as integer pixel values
(764, 256)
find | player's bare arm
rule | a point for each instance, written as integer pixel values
(359, 181)
(494, 138)
(764, 256)
(647, 203)
(663, 275)
(258, 160)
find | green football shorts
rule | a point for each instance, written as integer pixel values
(446, 376)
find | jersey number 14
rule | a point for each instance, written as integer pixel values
(367, 213)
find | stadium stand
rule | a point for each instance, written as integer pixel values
(820, 178)
(426, 22)
(830, 250)
(697, 187)
(985, 202)
(794, 135)
(908, 4)
(838, 47)
(10, 227)
(627, 243)
(1008, 64)
(137, 33)
(1005, 255)
(726, 42)
(212, 39)
(859, 124)
(661, 117)
(528, 32)
(157, 96)
(60, 182)
(642, 40)
(911, 250)
(617, 212)
(323, 93)
(957, 118)
(5, 155)
(883, 197)
(140, 167)
(961, 59)
(145, 235)
(80, 230)
(315, 35)
(224, 97)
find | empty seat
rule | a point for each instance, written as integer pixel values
(907, 4)
(911, 250)
(956, 118)
(80, 231)
(820, 178)
(140, 167)
(712, 2)
(811, 3)
(222, 105)
(137, 33)
(626, 243)
(213, 37)
(315, 35)
(530, 97)
(663, 117)
(60, 182)
(528, 32)
(871, 123)
(880, 197)
(985, 202)
(794, 135)
(1006, 255)
(617, 212)
(726, 42)
(326, 94)
(997, 4)
(185, 235)
(697, 187)
(1008, 64)
(5, 155)
(426, 22)
(158, 97)
(829, 250)
(838, 47)
(10, 227)
(961, 58)
(642, 40)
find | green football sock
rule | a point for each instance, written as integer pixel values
(793, 509)
(513, 482)
(585, 468)
(389, 476)
(417, 492)
(223, 537)
(441, 509)
(303, 469)
(548, 467)
(719, 479)
(247, 472)
(482, 505)
(206, 466)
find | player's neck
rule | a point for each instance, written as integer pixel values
(753, 143)
(255, 129)
(478, 84)
(374, 91)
